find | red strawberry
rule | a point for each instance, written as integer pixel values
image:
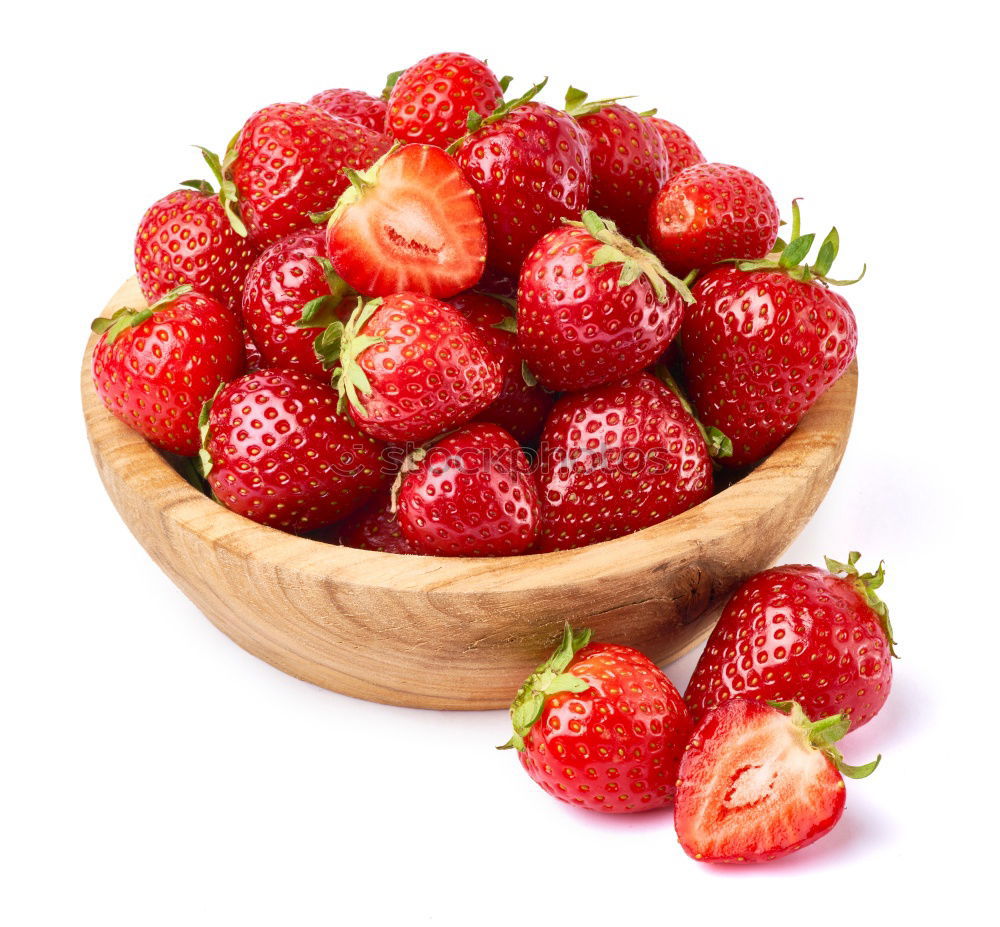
(758, 782)
(801, 633)
(411, 367)
(354, 106)
(374, 527)
(593, 307)
(288, 161)
(289, 276)
(600, 726)
(154, 368)
(763, 341)
(709, 213)
(628, 160)
(276, 450)
(682, 152)
(410, 224)
(522, 405)
(470, 495)
(618, 458)
(430, 101)
(530, 165)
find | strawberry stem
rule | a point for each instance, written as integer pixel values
(823, 734)
(866, 584)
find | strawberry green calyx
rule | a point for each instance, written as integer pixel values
(321, 311)
(636, 262)
(823, 734)
(717, 443)
(126, 318)
(204, 459)
(866, 584)
(578, 105)
(345, 343)
(549, 679)
(228, 196)
(390, 82)
(474, 122)
(360, 183)
(409, 464)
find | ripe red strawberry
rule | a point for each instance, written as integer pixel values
(154, 368)
(287, 277)
(763, 341)
(470, 495)
(275, 449)
(530, 165)
(354, 106)
(600, 726)
(430, 101)
(374, 527)
(288, 161)
(522, 406)
(410, 224)
(594, 308)
(709, 213)
(411, 367)
(628, 160)
(682, 151)
(618, 458)
(758, 782)
(819, 637)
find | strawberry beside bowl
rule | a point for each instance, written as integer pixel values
(458, 633)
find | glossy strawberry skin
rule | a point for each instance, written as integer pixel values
(796, 633)
(290, 160)
(186, 238)
(354, 106)
(682, 152)
(759, 349)
(283, 456)
(709, 213)
(531, 170)
(374, 527)
(473, 495)
(520, 409)
(616, 746)
(576, 327)
(156, 377)
(618, 458)
(629, 164)
(430, 101)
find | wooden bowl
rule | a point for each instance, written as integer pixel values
(436, 632)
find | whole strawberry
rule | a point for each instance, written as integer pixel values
(594, 308)
(757, 782)
(709, 213)
(276, 450)
(373, 527)
(354, 106)
(431, 101)
(530, 166)
(819, 637)
(601, 727)
(154, 368)
(288, 162)
(470, 495)
(618, 458)
(682, 151)
(628, 160)
(763, 341)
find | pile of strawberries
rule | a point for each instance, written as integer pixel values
(432, 323)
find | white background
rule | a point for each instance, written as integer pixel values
(153, 773)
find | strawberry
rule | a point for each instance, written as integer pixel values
(618, 458)
(354, 106)
(288, 162)
(709, 213)
(470, 495)
(628, 160)
(682, 151)
(154, 368)
(594, 308)
(530, 165)
(287, 277)
(819, 637)
(430, 101)
(276, 450)
(600, 726)
(373, 527)
(763, 341)
(757, 782)
(523, 404)
(409, 224)
(411, 367)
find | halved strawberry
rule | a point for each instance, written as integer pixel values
(409, 224)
